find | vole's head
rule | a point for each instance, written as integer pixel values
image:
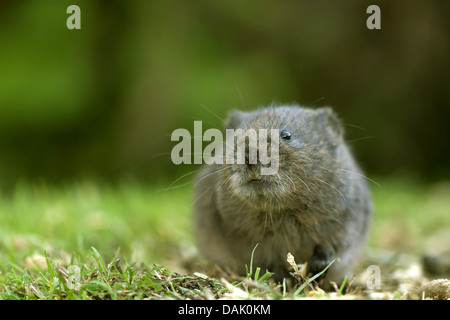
(299, 151)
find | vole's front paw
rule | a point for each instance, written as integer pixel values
(320, 259)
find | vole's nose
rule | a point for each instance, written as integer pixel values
(250, 162)
(252, 171)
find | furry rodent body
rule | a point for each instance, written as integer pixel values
(317, 207)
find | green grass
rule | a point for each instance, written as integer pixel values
(142, 222)
(93, 241)
(407, 212)
(91, 278)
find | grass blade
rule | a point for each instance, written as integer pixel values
(312, 278)
(101, 263)
(250, 272)
(341, 289)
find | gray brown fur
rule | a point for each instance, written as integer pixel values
(318, 207)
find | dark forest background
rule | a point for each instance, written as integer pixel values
(102, 101)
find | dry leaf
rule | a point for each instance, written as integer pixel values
(291, 261)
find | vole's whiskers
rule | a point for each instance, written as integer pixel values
(210, 174)
(305, 184)
(359, 139)
(217, 184)
(289, 178)
(333, 173)
(240, 95)
(212, 112)
(353, 125)
(178, 179)
(200, 196)
(361, 175)
(330, 185)
(301, 180)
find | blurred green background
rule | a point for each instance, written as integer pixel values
(102, 101)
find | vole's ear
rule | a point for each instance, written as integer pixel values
(235, 119)
(331, 124)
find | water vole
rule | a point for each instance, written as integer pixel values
(317, 206)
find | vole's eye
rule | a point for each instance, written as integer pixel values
(286, 135)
